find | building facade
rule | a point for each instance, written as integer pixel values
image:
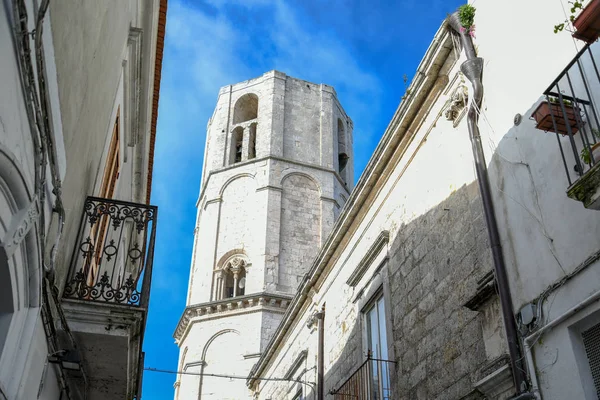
(278, 168)
(78, 115)
(402, 301)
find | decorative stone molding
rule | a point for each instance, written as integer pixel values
(221, 308)
(133, 76)
(486, 289)
(367, 260)
(498, 384)
(21, 224)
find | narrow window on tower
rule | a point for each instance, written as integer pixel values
(252, 142)
(342, 155)
(237, 139)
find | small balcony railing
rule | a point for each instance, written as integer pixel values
(571, 111)
(112, 261)
(371, 381)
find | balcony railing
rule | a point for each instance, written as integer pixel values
(112, 262)
(571, 111)
(371, 381)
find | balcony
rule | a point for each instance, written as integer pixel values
(371, 381)
(106, 294)
(571, 111)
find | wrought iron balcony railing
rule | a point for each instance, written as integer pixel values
(112, 262)
(371, 381)
(571, 111)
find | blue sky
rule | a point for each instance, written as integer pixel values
(363, 48)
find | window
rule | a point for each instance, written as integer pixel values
(342, 154)
(230, 281)
(252, 142)
(591, 343)
(112, 169)
(377, 345)
(246, 108)
(237, 139)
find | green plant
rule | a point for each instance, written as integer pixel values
(585, 155)
(466, 15)
(575, 6)
(555, 100)
(585, 152)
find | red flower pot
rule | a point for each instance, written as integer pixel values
(543, 118)
(588, 23)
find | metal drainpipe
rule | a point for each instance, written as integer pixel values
(472, 69)
(321, 355)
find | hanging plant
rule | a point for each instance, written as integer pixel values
(575, 6)
(466, 16)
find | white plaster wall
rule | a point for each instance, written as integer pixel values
(229, 345)
(84, 45)
(545, 235)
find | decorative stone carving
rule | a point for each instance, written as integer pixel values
(458, 104)
(21, 224)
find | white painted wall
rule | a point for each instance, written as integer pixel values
(84, 46)
(545, 234)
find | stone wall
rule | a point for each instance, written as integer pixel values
(300, 229)
(435, 263)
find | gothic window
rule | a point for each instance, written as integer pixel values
(230, 281)
(252, 142)
(342, 152)
(246, 108)
(237, 139)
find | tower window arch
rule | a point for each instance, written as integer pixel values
(342, 152)
(245, 109)
(230, 280)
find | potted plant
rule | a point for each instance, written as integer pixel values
(585, 152)
(587, 24)
(544, 112)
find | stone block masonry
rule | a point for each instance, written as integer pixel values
(435, 263)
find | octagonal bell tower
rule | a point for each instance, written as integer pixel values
(278, 167)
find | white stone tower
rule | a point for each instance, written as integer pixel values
(278, 167)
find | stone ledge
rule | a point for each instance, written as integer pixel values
(586, 188)
(230, 306)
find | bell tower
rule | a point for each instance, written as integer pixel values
(278, 167)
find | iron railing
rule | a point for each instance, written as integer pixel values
(371, 381)
(112, 262)
(570, 110)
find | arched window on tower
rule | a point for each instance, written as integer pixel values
(342, 152)
(230, 281)
(237, 140)
(246, 108)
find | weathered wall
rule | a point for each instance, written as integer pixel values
(300, 229)
(435, 263)
(302, 121)
(545, 235)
